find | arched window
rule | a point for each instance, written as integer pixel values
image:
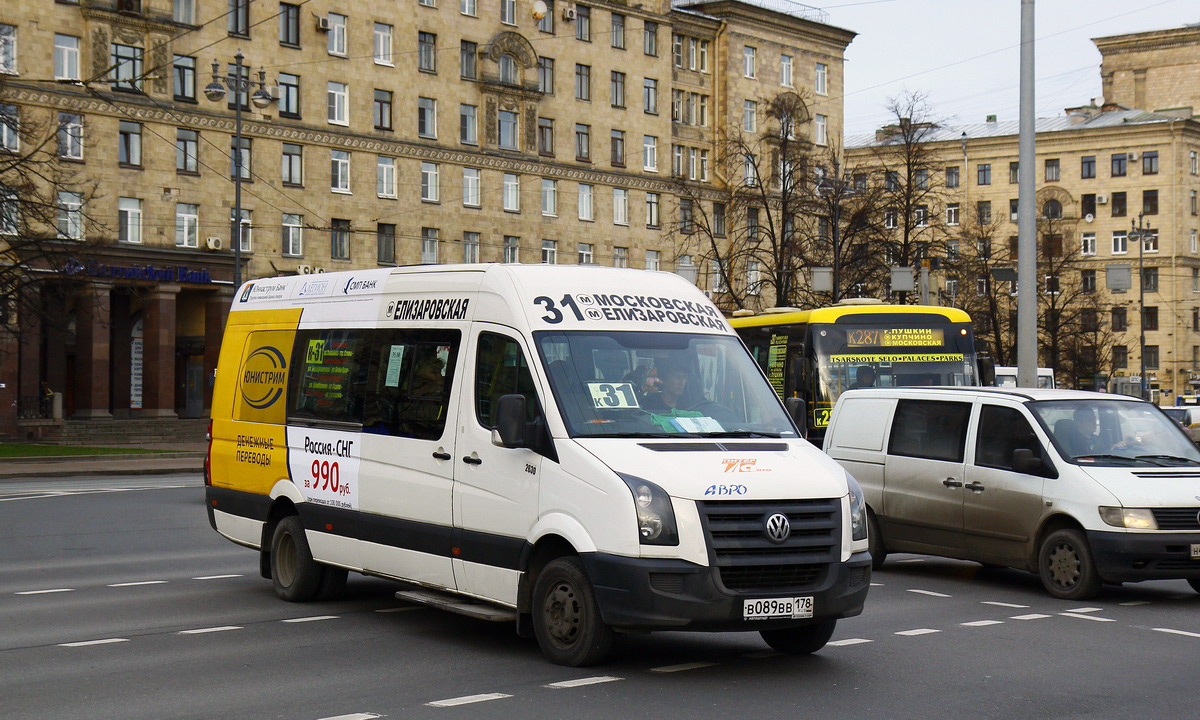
(1052, 210)
(508, 69)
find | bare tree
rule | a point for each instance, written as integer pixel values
(971, 284)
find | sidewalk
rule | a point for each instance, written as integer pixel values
(179, 458)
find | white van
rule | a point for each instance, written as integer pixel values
(579, 450)
(1081, 488)
(1006, 377)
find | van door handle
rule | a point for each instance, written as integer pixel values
(974, 486)
(952, 482)
(472, 460)
(442, 455)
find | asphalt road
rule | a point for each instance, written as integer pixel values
(118, 601)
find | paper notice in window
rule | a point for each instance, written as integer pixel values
(395, 358)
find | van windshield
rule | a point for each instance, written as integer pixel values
(1115, 432)
(651, 384)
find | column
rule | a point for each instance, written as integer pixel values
(121, 356)
(30, 340)
(93, 317)
(158, 373)
(216, 311)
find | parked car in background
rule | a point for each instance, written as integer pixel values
(1188, 417)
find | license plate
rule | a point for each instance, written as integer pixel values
(1196, 551)
(793, 608)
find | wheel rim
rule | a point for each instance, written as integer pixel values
(285, 560)
(1064, 565)
(563, 613)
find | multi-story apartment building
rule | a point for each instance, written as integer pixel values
(1156, 70)
(414, 131)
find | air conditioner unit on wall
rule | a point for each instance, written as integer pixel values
(212, 243)
(1101, 199)
(323, 24)
(568, 14)
(1132, 156)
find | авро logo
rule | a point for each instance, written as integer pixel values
(264, 377)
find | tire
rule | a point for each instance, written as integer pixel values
(802, 640)
(294, 573)
(566, 616)
(875, 544)
(333, 582)
(1066, 567)
(1195, 583)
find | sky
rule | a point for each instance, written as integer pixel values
(964, 55)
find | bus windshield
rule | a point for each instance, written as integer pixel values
(651, 384)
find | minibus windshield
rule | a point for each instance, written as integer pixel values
(1115, 432)
(652, 384)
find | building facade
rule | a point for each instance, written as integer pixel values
(1156, 70)
(427, 131)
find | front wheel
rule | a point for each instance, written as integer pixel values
(802, 640)
(1066, 567)
(566, 615)
(875, 544)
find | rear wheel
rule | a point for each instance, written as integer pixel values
(1066, 567)
(566, 615)
(296, 576)
(875, 543)
(802, 640)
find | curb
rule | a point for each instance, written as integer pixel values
(118, 457)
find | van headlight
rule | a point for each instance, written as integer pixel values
(858, 510)
(1135, 518)
(655, 515)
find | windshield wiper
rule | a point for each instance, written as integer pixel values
(643, 435)
(1107, 456)
(739, 434)
(1188, 461)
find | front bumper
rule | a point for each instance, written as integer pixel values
(1129, 557)
(661, 594)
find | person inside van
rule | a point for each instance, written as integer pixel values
(671, 396)
(864, 377)
(1080, 434)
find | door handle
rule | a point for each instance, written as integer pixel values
(974, 487)
(472, 460)
(952, 482)
(442, 455)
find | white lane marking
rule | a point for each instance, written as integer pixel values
(354, 716)
(982, 623)
(1134, 603)
(215, 577)
(1003, 604)
(85, 643)
(850, 641)
(876, 584)
(1177, 632)
(44, 592)
(136, 584)
(918, 631)
(1031, 616)
(929, 593)
(583, 681)
(762, 654)
(681, 668)
(468, 699)
(1084, 610)
(314, 618)
(201, 631)
(402, 609)
(1086, 617)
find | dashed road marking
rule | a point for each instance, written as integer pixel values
(876, 584)
(136, 584)
(583, 681)
(1003, 604)
(1081, 616)
(982, 623)
(1084, 610)
(85, 643)
(354, 716)
(681, 668)
(1177, 632)
(1030, 616)
(201, 631)
(45, 592)
(215, 577)
(314, 618)
(930, 593)
(467, 700)
(918, 631)
(850, 641)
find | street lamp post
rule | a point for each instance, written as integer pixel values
(1137, 232)
(240, 86)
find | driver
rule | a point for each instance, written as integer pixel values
(673, 387)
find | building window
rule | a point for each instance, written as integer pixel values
(586, 254)
(549, 252)
(820, 129)
(289, 24)
(427, 117)
(583, 23)
(427, 52)
(749, 116)
(183, 78)
(1087, 244)
(620, 207)
(466, 7)
(240, 158)
(618, 31)
(339, 239)
(952, 214)
(385, 243)
(129, 220)
(546, 75)
(245, 228)
(952, 177)
(1149, 202)
(545, 136)
(70, 136)
(749, 59)
(382, 44)
(508, 12)
(385, 176)
(468, 124)
(470, 247)
(468, 60)
(652, 205)
(583, 142)
(511, 193)
(429, 245)
(822, 79)
(512, 249)
(1151, 357)
(1150, 279)
(585, 202)
(1119, 320)
(1087, 167)
(785, 70)
(718, 219)
(583, 82)
(292, 234)
(650, 38)
(430, 191)
(620, 256)
(983, 212)
(339, 171)
(617, 145)
(650, 96)
(337, 100)
(1194, 245)
(508, 70)
(381, 110)
(652, 260)
(1120, 356)
(549, 197)
(129, 143)
(983, 174)
(8, 49)
(1087, 280)
(66, 57)
(507, 129)
(289, 95)
(187, 144)
(1052, 170)
(1150, 163)
(1192, 201)
(126, 61)
(336, 37)
(686, 223)
(292, 165)
(1120, 164)
(471, 187)
(187, 225)
(1150, 241)
(1120, 242)
(616, 89)
(184, 12)
(1150, 317)
(649, 153)
(239, 17)
(1118, 204)
(1014, 173)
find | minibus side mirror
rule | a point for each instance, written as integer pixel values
(795, 407)
(1025, 462)
(987, 370)
(511, 427)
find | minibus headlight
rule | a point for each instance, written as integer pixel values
(1135, 518)
(858, 510)
(655, 515)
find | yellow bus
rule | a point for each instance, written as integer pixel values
(817, 354)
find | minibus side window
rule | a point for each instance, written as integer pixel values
(329, 376)
(1002, 430)
(929, 429)
(409, 378)
(501, 369)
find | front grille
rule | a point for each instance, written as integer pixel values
(1177, 518)
(1180, 564)
(667, 582)
(749, 562)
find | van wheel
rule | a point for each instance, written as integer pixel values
(802, 640)
(566, 616)
(1066, 567)
(1195, 583)
(296, 576)
(875, 543)
(333, 582)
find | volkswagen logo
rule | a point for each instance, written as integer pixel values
(778, 528)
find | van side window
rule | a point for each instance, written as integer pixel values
(1002, 430)
(328, 376)
(410, 374)
(501, 369)
(929, 429)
